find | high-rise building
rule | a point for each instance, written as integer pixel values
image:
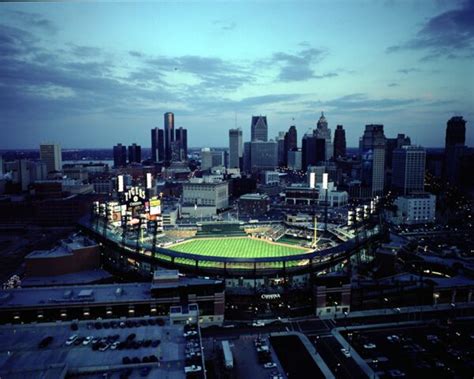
(157, 145)
(247, 158)
(339, 142)
(313, 151)
(235, 148)
(120, 155)
(281, 152)
(322, 131)
(217, 158)
(290, 143)
(206, 158)
(263, 155)
(294, 159)
(259, 128)
(134, 153)
(454, 148)
(182, 140)
(392, 144)
(408, 175)
(169, 134)
(50, 154)
(1, 167)
(372, 148)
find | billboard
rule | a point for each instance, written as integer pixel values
(312, 179)
(155, 206)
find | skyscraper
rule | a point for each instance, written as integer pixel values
(52, 156)
(206, 158)
(263, 155)
(291, 142)
(372, 149)
(281, 152)
(120, 155)
(454, 148)
(312, 151)
(259, 128)
(322, 131)
(157, 145)
(182, 145)
(169, 134)
(235, 148)
(134, 153)
(408, 173)
(392, 144)
(339, 142)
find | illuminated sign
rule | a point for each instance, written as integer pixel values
(134, 197)
(155, 206)
(271, 296)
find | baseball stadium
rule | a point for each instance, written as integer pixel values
(229, 248)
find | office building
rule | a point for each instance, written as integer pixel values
(291, 143)
(51, 155)
(322, 131)
(235, 148)
(218, 158)
(408, 172)
(1, 167)
(339, 142)
(247, 157)
(313, 150)
(394, 143)
(206, 158)
(415, 209)
(263, 155)
(134, 153)
(157, 145)
(204, 199)
(281, 152)
(169, 134)
(372, 147)
(270, 178)
(294, 160)
(454, 148)
(181, 137)
(120, 155)
(259, 128)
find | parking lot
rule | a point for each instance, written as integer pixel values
(417, 351)
(250, 352)
(124, 348)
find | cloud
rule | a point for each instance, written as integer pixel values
(449, 34)
(408, 70)
(35, 20)
(392, 85)
(360, 101)
(224, 25)
(298, 66)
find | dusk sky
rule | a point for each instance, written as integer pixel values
(93, 74)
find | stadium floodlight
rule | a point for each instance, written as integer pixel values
(149, 179)
(325, 181)
(120, 183)
(312, 180)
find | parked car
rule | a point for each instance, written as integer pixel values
(71, 339)
(269, 365)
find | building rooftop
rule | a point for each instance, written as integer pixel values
(65, 247)
(96, 294)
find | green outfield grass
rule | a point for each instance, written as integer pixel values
(236, 248)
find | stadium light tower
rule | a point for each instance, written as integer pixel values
(312, 185)
(325, 188)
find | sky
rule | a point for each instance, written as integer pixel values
(92, 74)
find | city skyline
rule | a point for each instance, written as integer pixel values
(408, 68)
